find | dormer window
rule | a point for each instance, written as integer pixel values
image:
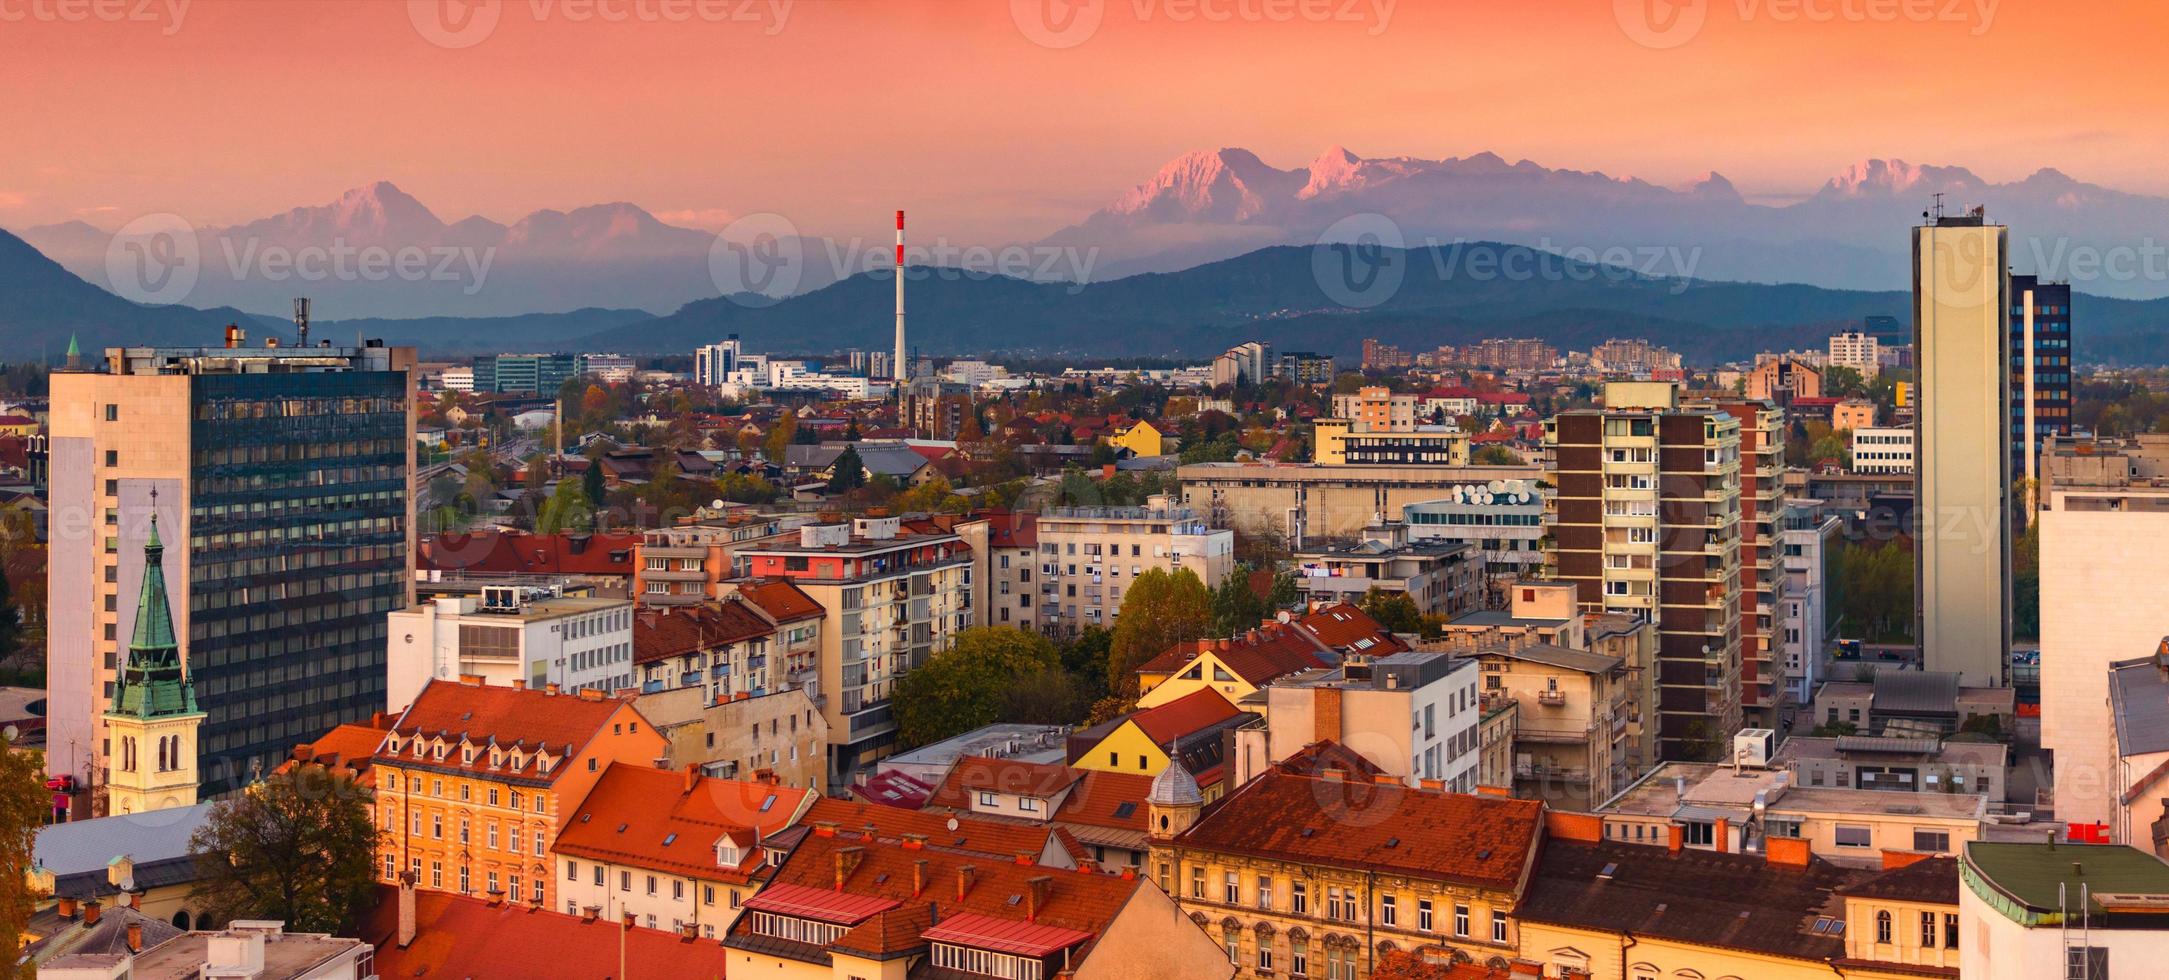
(727, 853)
(439, 750)
(466, 754)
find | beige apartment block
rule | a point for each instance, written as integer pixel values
(1301, 501)
(1088, 556)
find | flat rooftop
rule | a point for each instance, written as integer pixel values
(1677, 788)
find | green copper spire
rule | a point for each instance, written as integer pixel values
(152, 684)
(74, 349)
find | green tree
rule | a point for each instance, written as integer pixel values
(1235, 606)
(11, 619)
(1084, 657)
(568, 509)
(848, 473)
(1159, 610)
(1496, 456)
(2026, 583)
(969, 685)
(1285, 593)
(591, 483)
(1393, 610)
(24, 807)
(299, 847)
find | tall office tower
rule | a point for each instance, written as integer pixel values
(1763, 585)
(279, 477)
(713, 363)
(2040, 370)
(1647, 522)
(1962, 447)
(540, 374)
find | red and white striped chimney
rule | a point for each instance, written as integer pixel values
(899, 368)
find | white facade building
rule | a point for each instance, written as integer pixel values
(507, 635)
(1414, 715)
(713, 363)
(1883, 449)
(456, 379)
(1856, 350)
(1809, 543)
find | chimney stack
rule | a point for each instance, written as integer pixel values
(918, 877)
(91, 912)
(847, 861)
(135, 937)
(406, 909)
(901, 368)
(1036, 893)
(964, 878)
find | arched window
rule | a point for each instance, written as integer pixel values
(1882, 928)
(128, 754)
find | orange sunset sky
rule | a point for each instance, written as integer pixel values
(843, 110)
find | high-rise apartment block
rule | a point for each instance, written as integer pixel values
(713, 363)
(1856, 349)
(1518, 354)
(2040, 369)
(1962, 447)
(279, 477)
(1089, 556)
(1762, 571)
(1646, 519)
(890, 597)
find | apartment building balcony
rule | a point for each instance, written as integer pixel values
(1551, 699)
(1548, 771)
(675, 574)
(1555, 736)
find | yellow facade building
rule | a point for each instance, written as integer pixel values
(1140, 438)
(475, 783)
(1320, 873)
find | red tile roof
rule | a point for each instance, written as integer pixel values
(782, 601)
(1346, 628)
(1257, 656)
(977, 773)
(350, 749)
(513, 718)
(1011, 529)
(1000, 840)
(894, 788)
(650, 818)
(670, 631)
(1184, 716)
(458, 937)
(530, 554)
(986, 904)
(1477, 840)
(1107, 799)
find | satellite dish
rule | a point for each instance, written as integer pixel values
(1496, 486)
(716, 504)
(952, 823)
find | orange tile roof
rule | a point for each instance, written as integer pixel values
(458, 937)
(671, 631)
(782, 601)
(649, 818)
(1476, 840)
(1257, 656)
(992, 905)
(1184, 716)
(1108, 799)
(997, 839)
(1344, 627)
(977, 773)
(510, 717)
(349, 748)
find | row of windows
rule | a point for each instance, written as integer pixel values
(1341, 904)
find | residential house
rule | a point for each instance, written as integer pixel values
(1144, 741)
(671, 847)
(745, 736)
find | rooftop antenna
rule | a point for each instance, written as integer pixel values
(301, 320)
(1938, 213)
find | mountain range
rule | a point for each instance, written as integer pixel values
(600, 256)
(1851, 233)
